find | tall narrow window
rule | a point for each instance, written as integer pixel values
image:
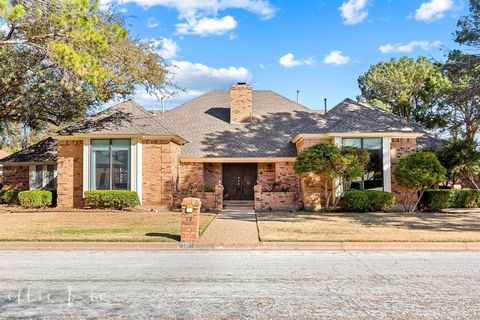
(38, 177)
(110, 164)
(121, 164)
(373, 178)
(50, 176)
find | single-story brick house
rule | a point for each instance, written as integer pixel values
(231, 145)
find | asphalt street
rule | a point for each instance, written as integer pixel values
(239, 284)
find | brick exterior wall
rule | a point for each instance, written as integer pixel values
(276, 201)
(159, 172)
(70, 173)
(286, 177)
(307, 143)
(16, 177)
(313, 192)
(266, 175)
(241, 103)
(190, 175)
(398, 148)
(208, 199)
(212, 174)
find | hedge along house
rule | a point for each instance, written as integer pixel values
(236, 145)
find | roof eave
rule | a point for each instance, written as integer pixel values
(398, 134)
(175, 138)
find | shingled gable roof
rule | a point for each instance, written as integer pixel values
(43, 151)
(356, 117)
(205, 123)
(126, 118)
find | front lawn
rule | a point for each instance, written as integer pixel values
(93, 226)
(456, 225)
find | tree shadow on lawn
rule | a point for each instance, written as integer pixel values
(175, 237)
(443, 222)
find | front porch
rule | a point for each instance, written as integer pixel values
(266, 185)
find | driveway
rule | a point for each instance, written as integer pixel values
(239, 284)
(232, 227)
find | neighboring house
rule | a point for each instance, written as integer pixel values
(225, 145)
(33, 168)
(3, 154)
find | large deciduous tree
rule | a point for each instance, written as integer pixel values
(407, 87)
(462, 101)
(60, 58)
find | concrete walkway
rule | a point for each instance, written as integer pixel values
(232, 227)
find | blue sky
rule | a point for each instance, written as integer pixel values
(319, 47)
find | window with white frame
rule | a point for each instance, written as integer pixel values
(110, 161)
(43, 177)
(373, 177)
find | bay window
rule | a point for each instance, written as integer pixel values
(110, 161)
(372, 179)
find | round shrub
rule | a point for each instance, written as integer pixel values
(465, 198)
(434, 200)
(356, 201)
(381, 201)
(364, 201)
(35, 198)
(9, 197)
(111, 199)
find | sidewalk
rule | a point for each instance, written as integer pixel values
(232, 227)
(260, 246)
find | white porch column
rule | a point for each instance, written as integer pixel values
(86, 165)
(136, 167)
(387, 171)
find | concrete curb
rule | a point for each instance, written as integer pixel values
(263, 246)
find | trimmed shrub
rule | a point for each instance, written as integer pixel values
(35, 198)
(465, 198)
(381, 201)
(9, 197)
(356, 201)
(363, 201)
(111, 199)
(434, 200)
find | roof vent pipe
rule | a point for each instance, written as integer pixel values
(325, 104)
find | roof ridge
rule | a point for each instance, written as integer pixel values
(151, 116)
(290, 100)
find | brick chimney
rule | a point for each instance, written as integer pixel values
(241, 103)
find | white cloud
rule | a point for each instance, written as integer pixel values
(409, 47)
(200, 17)
(354, 11)
(123, 10)
(152, 23)
(289, 61)
(200, 77)
(195, 79)
(168, 48)
(207, 26)
(190, 7)
(336, 57)
(433, 9)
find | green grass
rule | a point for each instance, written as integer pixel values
(92, 226)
